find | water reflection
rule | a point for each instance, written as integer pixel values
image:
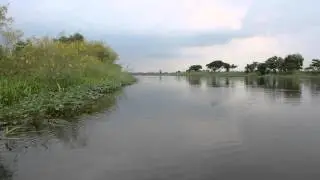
(220, 82)
(179, 78)
(70, 133)
(213, 82)
(314, 85)
(287, 88)
(194, 80)
(170, 132)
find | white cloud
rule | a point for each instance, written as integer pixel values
(243, 50)
(132, 15)
(181, 32)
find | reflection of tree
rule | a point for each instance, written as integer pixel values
(194, 80)
(213, 82)
(227, 83)
(291, 88)
(178, 78)
(219, 81)
(261, 81)
(250, 82)
(288, 88)
(315, 86)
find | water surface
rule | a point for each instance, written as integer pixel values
(177, 128)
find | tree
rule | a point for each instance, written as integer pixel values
(293, 62)
(262, 68)
(215, 65)
(233, 66)
(226, 66)
(247, 68)
(251, 67)
(72, 38)
(8, 35)
(315, 65)
(280, 65)
(272, 63)
(77, 37)
(195, 68)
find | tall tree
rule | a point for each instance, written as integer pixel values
(8, 35)
(315, 65)
(215, 65)
(226, 66)
(251, 67)
(272, 63)
(280, 64)
(233, 66)
(77, 37)
(262, 68)
(195, 68)
(293, 62)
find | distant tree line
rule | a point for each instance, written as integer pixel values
(214, 66)
(274, 64)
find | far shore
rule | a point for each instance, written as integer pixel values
(300, 74)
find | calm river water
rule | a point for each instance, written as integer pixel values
(177, 128)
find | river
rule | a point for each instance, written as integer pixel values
(178, 128)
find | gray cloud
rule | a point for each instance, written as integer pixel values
(272, 18)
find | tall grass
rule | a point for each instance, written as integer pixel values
(49, 78)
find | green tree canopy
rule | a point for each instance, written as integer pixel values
(226, 66)
(262, 68)
(315, 65)
(293, 62)
(195, 68)
(233, 66)
(215, 65)
(72, 38)
(251, 67)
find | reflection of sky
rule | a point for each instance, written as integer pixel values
(168, 126)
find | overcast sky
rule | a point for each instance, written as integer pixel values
(172, 34)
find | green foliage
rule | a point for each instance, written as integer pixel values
(194, 68)
(251, 67)
(293, 62)
(226, 66)
(272, 63)
(44, 77)
(315, 65)
(233, 66)
(262, 68)
(290, 63)
(215, 65)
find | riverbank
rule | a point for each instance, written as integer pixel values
(49, 79)
(71, 101)
(235, 74)
(43, 78)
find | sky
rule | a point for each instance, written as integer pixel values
(171, 35)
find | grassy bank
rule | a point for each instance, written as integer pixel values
(43, 78)
(48, 78)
